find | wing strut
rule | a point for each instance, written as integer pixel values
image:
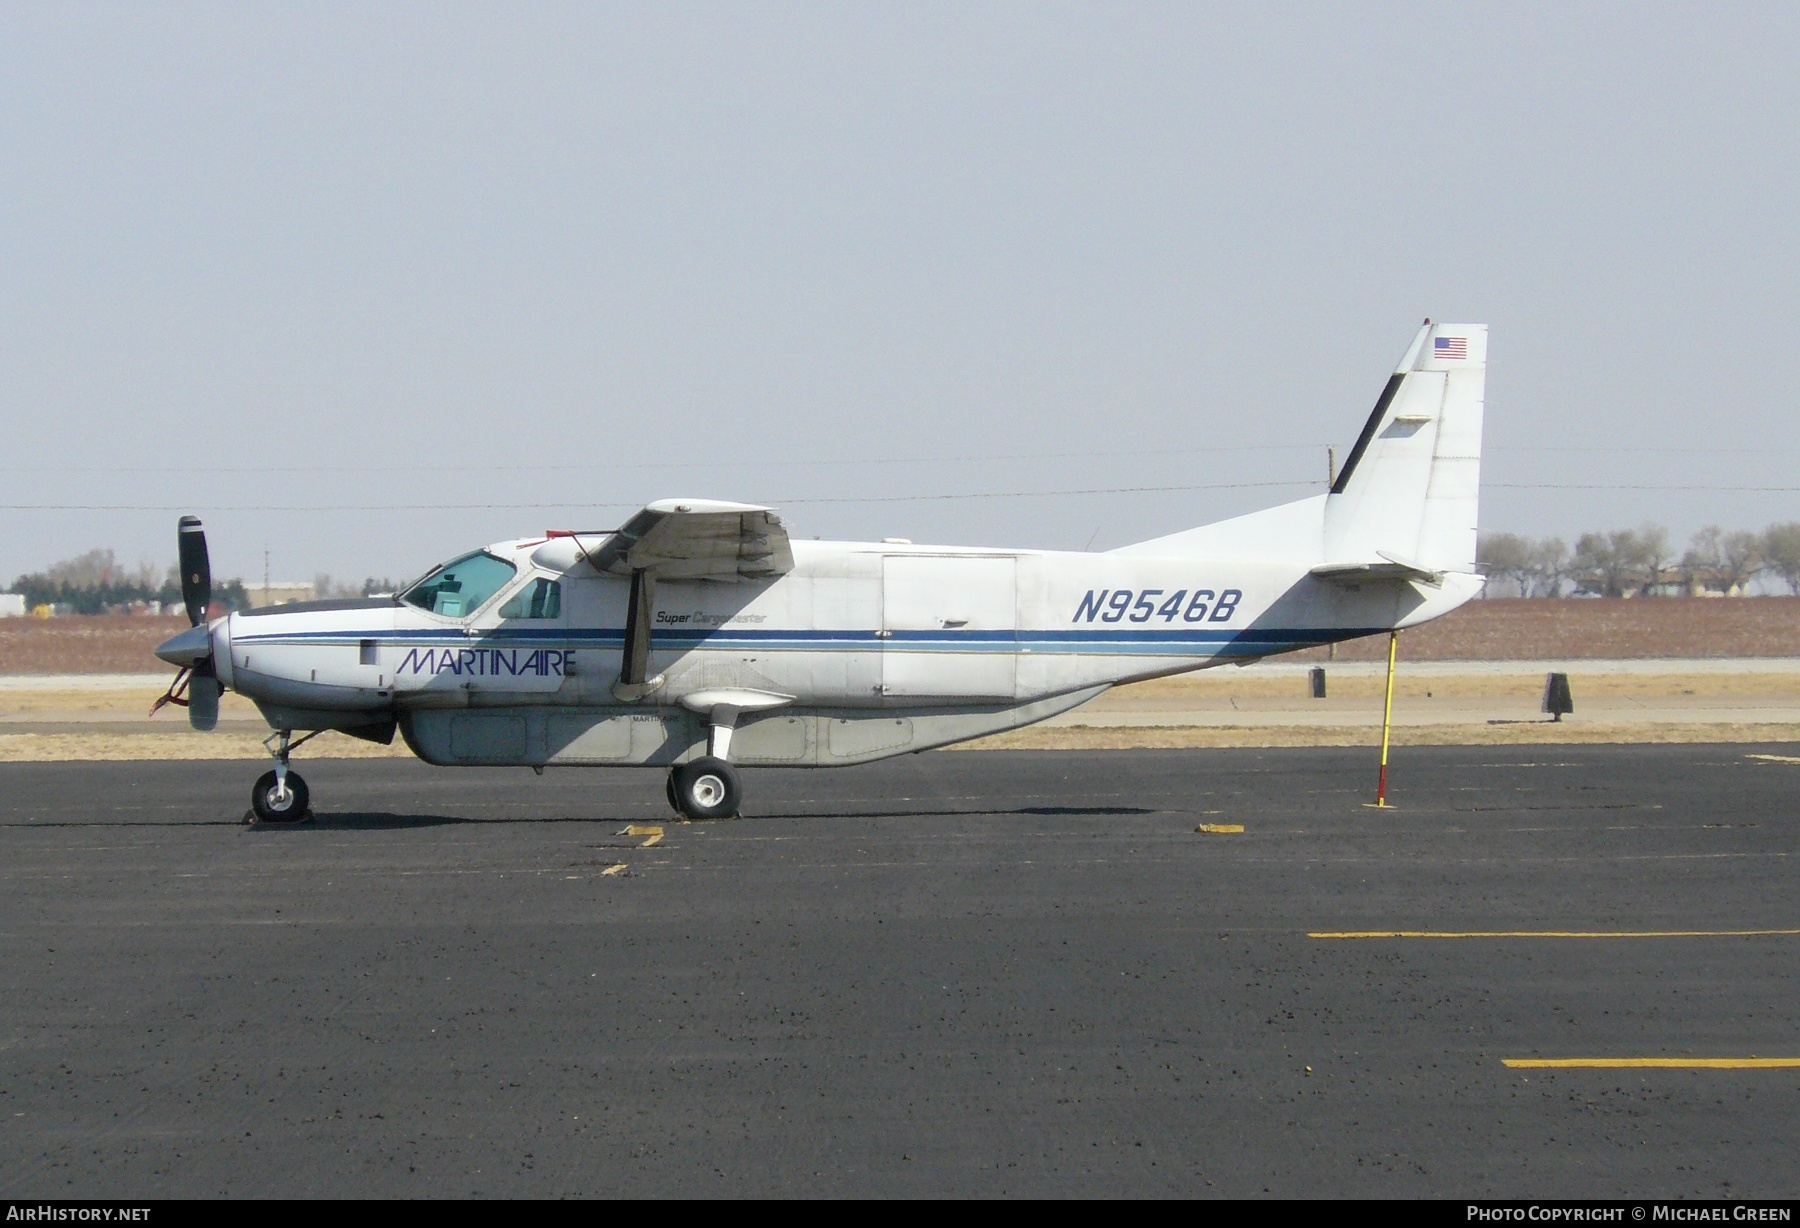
(684, 539)
(633, 685)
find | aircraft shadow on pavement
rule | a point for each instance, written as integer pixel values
(989, 812)
(361, 821)
(368, 820)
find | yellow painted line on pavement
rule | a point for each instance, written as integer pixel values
(656, 839)
(1553, 933)
(1775, 758)
(612, 870)
(1653, 1063)
(1220, 829)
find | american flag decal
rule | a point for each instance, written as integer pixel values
(1450, 347)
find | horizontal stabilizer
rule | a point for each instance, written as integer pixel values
(1386, 568)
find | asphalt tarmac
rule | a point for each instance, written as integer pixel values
(995, 973)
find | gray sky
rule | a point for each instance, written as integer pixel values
(439, 259)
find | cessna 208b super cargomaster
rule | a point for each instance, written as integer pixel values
(698, 637)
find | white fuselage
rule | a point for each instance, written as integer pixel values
(861, 650)
(699, 633)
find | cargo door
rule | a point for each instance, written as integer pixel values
(949, 626)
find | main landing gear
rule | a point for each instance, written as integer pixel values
(708, 787)
(281, 796)
(705, 788)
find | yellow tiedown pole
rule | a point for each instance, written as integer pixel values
(1387, 720)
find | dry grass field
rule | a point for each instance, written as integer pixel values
(1164, 737)
(1513, 629)
(1221, 707)
(103, 644)
(1485, 702)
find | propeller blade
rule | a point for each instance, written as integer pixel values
(196, 570)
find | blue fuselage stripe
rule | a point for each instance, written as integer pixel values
(1174, 641)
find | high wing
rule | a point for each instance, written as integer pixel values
(698, 539)
(684, 539)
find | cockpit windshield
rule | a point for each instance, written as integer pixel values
(460, 586)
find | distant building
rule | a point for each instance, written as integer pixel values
(12, 605)
(284, 592)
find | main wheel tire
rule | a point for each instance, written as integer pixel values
(706, 788)
(271, 808)
(669, 791)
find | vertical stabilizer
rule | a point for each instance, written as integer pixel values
(1410, 487)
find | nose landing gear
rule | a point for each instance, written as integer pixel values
(281, 796)
(277, 801)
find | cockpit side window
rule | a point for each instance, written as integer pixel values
(541, 598)
(461, 586)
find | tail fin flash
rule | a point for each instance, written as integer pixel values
(1408, 494)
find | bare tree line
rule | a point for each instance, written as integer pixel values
(98, 583)
(1641, 562)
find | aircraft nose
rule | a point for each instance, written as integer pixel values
(188, 647)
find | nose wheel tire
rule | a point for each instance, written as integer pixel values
(706, 788)
(271, 806)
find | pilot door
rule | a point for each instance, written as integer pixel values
(949, 626)
(520, 646)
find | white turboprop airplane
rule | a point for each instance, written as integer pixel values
(699, 637)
